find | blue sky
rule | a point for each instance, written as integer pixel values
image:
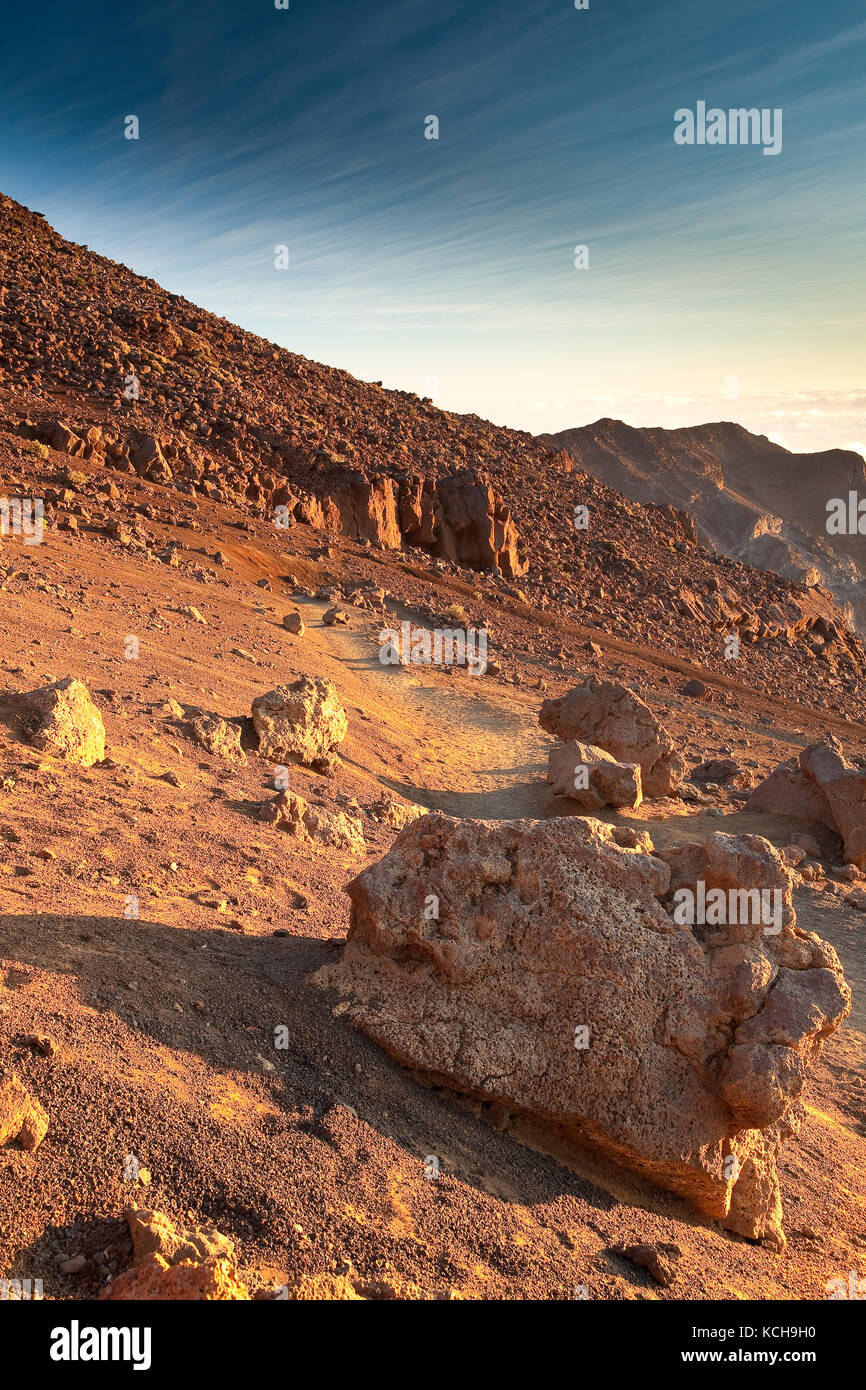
(721, 283)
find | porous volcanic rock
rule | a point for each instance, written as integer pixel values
(311, 824)
(612, 717)
(219, 736)
(532, 964)
(739, 864)
(608, 783)
(62, 719)
(153, 1232)
(304, 721)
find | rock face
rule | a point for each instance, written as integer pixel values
(592, 777)
(367, 509)
(62, 719)
(532, 964)
(458, 517)
(820, 785)
(22, 1117)
(475, 529)
(304, 721)
(308, 823)
(612, 717)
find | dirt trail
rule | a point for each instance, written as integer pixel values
(481, 758)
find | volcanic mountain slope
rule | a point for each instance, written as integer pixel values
(151, 1041)
(153, 1035)
(750, 499)
(226, 414)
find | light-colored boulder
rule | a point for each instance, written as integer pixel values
(396, 814)
(293, 814)
(62, 719)
(844, 788)
(219, 736)
(304, 721)
(788, 792)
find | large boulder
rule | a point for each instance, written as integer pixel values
(532, 964)
(592, 777)
(612, 717)
(63, 720)
(303, 722)
(788, 792)
(844, 789)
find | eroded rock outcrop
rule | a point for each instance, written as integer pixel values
(532, 964)
(458, 517)
(612, 717)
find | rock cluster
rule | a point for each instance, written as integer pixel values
(611, 717)
(820, 785)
